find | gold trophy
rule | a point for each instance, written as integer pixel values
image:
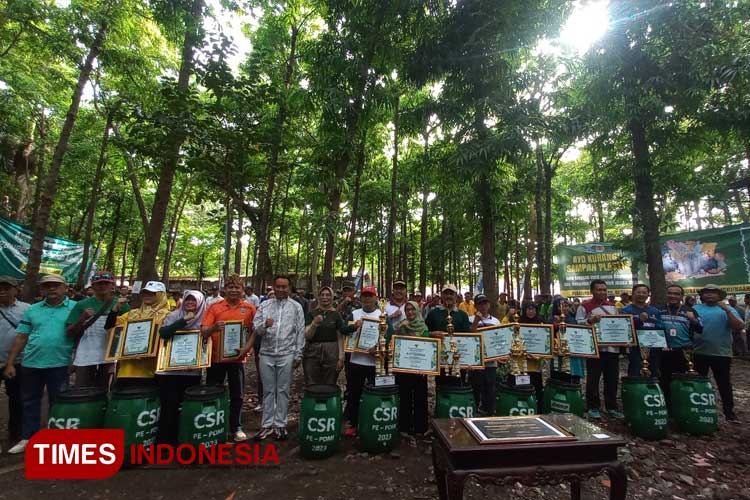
(381, 350)
(561, 345)
(688, 353)
(518, 352)
(645, 370)
(453, 370)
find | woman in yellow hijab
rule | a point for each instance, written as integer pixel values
(154, 306)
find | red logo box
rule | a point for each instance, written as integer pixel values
(74, 453)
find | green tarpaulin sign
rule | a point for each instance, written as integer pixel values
(58, 256)
(691, 260)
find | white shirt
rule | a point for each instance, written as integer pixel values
(359, 358)
(211, 300)
(253, 299)
(14, 313)
(93, 344)
(287, 334)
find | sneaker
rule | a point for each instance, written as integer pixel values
(19, 447)
(350, 432)
(616, 414)
(258, 409)
(731, 417)
(280, 433)
(263, 433)
(240, 436)
(595, 413)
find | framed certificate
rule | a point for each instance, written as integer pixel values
(138, 340)
(415, 355)
(367, 336)
(655, 339)
(351, 340)
(231, 341)
(496, 342)
(581, 341)
(538, 339)
(113, 343)
(615, 330)
(183, 351)
(470, 350)
(206, 352)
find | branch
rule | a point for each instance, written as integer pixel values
(133, 182)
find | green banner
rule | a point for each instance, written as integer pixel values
(691, 260)
(58, 256)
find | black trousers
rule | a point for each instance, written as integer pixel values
(608, 367)
(672, 361)
(412, 412)
(235, 374)
(358, 375)
(171, 393)
(483, 384)
(720, 367)
(15, 404)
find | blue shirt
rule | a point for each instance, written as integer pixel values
(716, 339)
(47, 346)
(654, 316)
(674, 319)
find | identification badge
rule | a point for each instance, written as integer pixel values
(523, 379)
(243, 310)
(385, 380)
(673, 332)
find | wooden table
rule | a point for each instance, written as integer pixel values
(457, 456)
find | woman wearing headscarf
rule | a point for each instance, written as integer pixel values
(172, 384)
(323, 356)
(530, 316)
(153, 306)
(563, 312)
(412, 387)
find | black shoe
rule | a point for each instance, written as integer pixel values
(732, 417)
(281, 434)
(263, 433)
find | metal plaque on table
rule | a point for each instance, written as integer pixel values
(525, 429)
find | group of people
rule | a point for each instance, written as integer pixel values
(57, 340)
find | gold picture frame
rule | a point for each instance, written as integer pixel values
(167, 360)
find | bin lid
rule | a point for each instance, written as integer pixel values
(454, 389)
(640, 380)
(205, 392)
(696, 377)
(382, 390)
(324, 390)
(561, 384)
(519, 390)
(81, 395)
(135, 392)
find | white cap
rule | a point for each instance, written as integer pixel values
(155, 286)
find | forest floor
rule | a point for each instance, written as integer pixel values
(681, 467)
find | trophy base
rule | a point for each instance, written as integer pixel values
(381, 380)
(522, 379)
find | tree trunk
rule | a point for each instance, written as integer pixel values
(698, 219)
(487, 222)
(264, 271)
(174, 228)
(227, 239)
(109, 258)
(24, 167)
(314, 263)
(41, 221)
(238, 245)
(545, 280)
(152, 239)
(355, 204)
(93, 198)
(390, 235)
(539, 222)
(530, 245)
(125, 253)
(282, 221)
(741, 206)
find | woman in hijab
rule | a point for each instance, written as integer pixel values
(412, 387)
(172, 384)
(563, 312)
(154, 306)
(323, 355)
(530, 316)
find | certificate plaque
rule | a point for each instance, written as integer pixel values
(496, 341)
(113, 343)
(415, 355)
(231, 341)
(538, 339)
(581, 341)
(470, 350)
(655, 339)
(615, 330)
(138, 340)
(525, 429)
(367, 336)
(185, 350)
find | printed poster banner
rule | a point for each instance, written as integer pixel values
(691, 260)
(58, 256)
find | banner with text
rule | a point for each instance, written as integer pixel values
(691, 260)
(58, 256)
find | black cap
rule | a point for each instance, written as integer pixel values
(348, 284)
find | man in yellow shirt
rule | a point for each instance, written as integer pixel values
(467, 305)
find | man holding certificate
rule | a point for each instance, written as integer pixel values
(645, 317)
(607, 366)
(231, 310)
(483, 381)
(280, 322)
(437, 323)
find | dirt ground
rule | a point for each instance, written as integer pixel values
(681, 467)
